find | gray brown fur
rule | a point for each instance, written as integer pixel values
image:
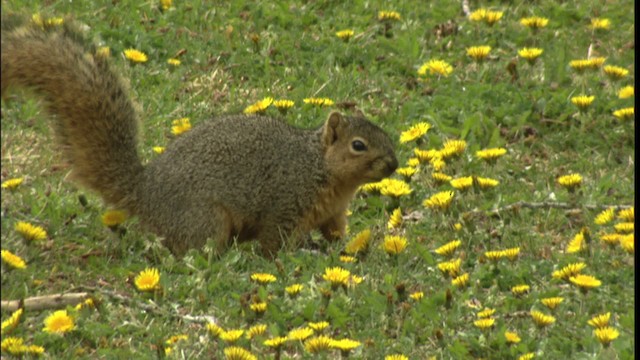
(243, 177)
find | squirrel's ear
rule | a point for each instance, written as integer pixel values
(359, 113)
(330, 129)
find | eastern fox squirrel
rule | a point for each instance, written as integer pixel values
(248, 177)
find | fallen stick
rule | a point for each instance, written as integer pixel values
(55, 301)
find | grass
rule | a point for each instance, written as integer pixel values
(235, 54)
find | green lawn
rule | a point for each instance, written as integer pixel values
(235, 54)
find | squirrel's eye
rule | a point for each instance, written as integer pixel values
(358, 145)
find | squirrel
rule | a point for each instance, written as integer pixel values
(234, 176)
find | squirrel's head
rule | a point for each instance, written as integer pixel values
(356, 150)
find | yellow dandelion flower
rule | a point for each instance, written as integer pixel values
(300, 333)
(113, 217)
(11, 323)
(275, 342)
(625, 113)
(345, 34)
(527, 356)
(551, 302)
(347, 259)
(512, 253)
(449, 248)
(388, 15)
(180, 126)
(318, 101)
(541, 319)
(413, 162)
(394, 245)
(605, 217)
(294, 289)
(458, 227)
(259, 307)
(606, 335)
(395, 188)
(577, 244)
(345, 344)
(435, 67)
(478, 53)
(12, 183)
(395, 220)
(624, 93)
(625, 227)
(263, 278)
(487, 312)
(54, 21)
(147, 280)
(585, 282)
(484, 323)
(461, 281)
(486, 183)
(165, 4)
(259, 107)
(596, 62)
(175, 338)
(494, 255)
(318, 326)
(600, 321)
(530, 54)
(453, 148)
(238, 353)
(336, 276)
(490, 154)
(30, 232)
(440, 200)
(627, 214)
(582, 101)
(407, 172)
(135, 56)
(492, 17)
(174, 62)
(451, 268)
(396, 357)
(59, 322)
(231, 336)
(354, 280)
(520, 289)
(13, 345)
(440, 177)
(214, 329)
(359, 243)
(373, 187)
(425, 155)
(568, 271)
(415, 132)
(462, 183)
(256, 330)
(610, 239)
(418, 295)
(437, 163)
(318, 344)
(283, 104)
(615, 72)
(13, 260)
(581, 64)
(534, 22)
(600, 24)
(158, 149)
(627, 242)
(512, 337)
(570, 181)
(478, 15)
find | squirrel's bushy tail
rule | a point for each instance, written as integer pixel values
(95, 120)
